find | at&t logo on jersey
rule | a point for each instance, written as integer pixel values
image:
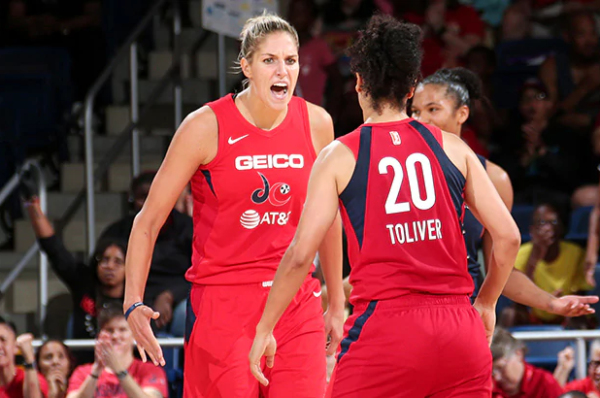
(277, 194)
(251, 219)
(279, 161)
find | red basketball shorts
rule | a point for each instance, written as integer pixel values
(414, 346)
(220, 332)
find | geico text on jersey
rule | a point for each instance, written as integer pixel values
(415, 231)
(278, 161)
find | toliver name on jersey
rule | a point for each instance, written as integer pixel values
(415, 231)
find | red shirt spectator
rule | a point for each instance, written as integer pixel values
(145, 374)
(450, 33)
(584, 385)
(315, 58)
(15, 388)
(470, 137)
(466, 20)
(536, 383)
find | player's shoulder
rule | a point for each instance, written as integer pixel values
(199, 132)
(318, 117)
(321, 125)
(351, 140)
(202, 118)
(458, 152)
(497, 174)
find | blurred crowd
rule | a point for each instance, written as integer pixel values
(538, 118)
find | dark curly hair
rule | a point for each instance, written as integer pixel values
(460, 83)
(387, 56)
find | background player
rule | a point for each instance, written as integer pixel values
(444, 100)
(249, 158)
(401, 199)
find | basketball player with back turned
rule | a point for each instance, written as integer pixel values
(400, 186)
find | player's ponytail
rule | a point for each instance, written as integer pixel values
(461, 83)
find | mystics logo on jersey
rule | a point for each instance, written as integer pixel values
(277, 194)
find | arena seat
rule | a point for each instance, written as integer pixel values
(543, 354)
(579, 223)
(522, 215)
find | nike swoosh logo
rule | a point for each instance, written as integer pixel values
(317, 294)
(232, 141)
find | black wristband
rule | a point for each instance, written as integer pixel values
(29, 365)
(122, 374)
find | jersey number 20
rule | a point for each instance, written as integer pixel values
(391, 207)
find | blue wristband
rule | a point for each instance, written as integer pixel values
(133, 307)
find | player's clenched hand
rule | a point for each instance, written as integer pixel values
(264, 345)
(139, 322)
(334, 327)
(488, 316)
(572, 306)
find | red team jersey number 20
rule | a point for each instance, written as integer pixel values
(403, 211)
(422, 197)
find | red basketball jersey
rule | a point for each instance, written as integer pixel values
(402, 212)
(248, 200)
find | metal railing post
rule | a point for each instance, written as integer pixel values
(222, 67)
(580, 357)
(177, 90)
(135, 109)
(89, 175)
(43, 275)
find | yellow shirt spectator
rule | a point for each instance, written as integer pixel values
(564, 276)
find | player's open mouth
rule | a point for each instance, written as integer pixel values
(279, 90)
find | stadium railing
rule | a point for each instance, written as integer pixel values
(580, 337)
(5, 192)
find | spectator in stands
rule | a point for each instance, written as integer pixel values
(555, 265)
(172, 256)
(318, 66)
(541, 160)
(573, 80)
(115, 372)
(451, 30)
(17, 382)
(587, 193)
(516, 23)
(347, 15)
(512, 376)
(73, 25)
(564, 366)
(574, 394)
(92, 287)
(589, 385)
(56, 363)
(483, 119)
(593, 242)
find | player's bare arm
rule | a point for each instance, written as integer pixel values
(194, 143)
(519, 287)
(487, 206)
(320, 211)
(593, 243)
(330, 250)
